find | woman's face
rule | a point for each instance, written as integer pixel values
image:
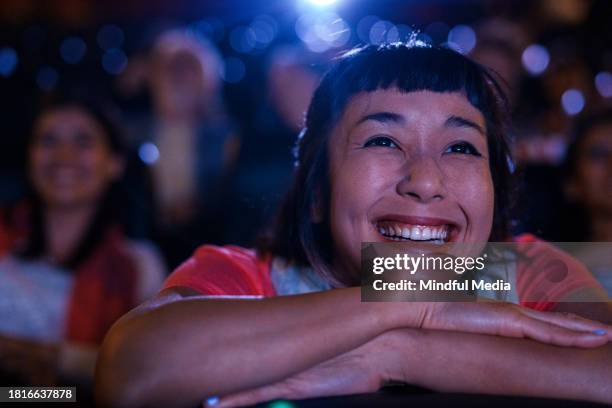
(593, 178)
(409, 167)
(70, 162)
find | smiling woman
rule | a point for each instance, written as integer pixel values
(73, 272)
(401, 142)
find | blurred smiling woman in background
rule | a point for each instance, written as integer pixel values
(72, 273)
(401, 142)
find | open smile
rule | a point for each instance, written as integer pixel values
(421, 229)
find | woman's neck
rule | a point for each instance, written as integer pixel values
(64, 229)
(601, 228)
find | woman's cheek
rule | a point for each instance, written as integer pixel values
(471, 184)
(369, 176)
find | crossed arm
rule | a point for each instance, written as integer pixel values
(179, 349)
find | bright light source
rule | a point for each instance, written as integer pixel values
(322, 3)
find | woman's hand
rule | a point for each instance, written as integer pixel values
(362, 370)
(509, 320)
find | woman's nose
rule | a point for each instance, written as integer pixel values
(423, 180)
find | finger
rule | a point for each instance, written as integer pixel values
(249, 397)
(551, 333)
(571, 321)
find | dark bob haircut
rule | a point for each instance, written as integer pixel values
(408, 67)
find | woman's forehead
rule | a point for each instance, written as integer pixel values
(406, 108)
(67, 119)
(410, 103)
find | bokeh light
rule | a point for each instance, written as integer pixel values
(535, 59)
(148, 153)
(322, 31)
(73, 50)
(572, 101)
(114, 61)
(380, 31)
(400, 32)
(8, 61)
(265, 29)
(462, 38)
(603, 83)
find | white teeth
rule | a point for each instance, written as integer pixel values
(398, 232)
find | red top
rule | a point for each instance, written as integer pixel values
(546, 278)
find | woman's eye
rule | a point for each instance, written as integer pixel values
(380, 141)
(47, 140)
(85, 141)
(463, 148)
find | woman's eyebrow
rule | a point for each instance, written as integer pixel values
(383, 117)
(458, 121)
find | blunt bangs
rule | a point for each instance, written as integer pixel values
(408, 67)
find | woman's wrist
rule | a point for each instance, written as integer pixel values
(400, 315)
(394, 355)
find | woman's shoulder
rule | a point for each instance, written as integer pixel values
(224, 271)
(547, 274)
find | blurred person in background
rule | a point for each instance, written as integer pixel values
(264, 169)
(195, 140)
(543, 121)
(499, 46)
(70, 271)
(588, 171)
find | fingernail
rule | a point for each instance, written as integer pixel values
(212, 401)
(600, 332)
